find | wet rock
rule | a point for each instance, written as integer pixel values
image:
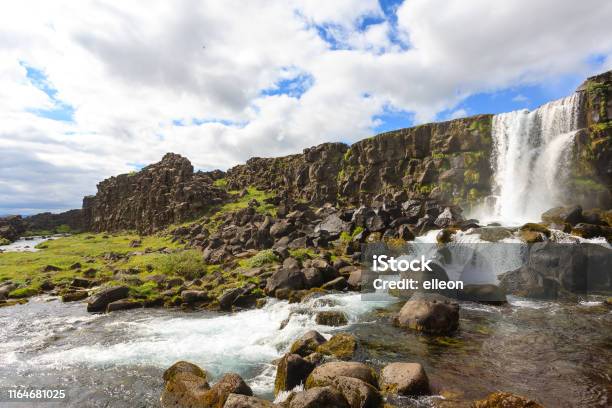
(124, 304)
(307, 343)
(229, 296)
(355, 279)
(483, 293)
(492, 234)
(562, 215)
(429, 313)
(319, 397)
(555, 270)
(326, 373)
(99, 301)
(335, 284)
(404, 379)
(291, 371)
(74, 296)
(592, 231)
(358, 393)
(331, 318)
(506, 400)
(445, 236)
(244, 401)
(193, 296)
(447, 218)
(186, 386)
(343, 346)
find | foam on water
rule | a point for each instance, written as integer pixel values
(245, 342)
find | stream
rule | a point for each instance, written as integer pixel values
(559, 353)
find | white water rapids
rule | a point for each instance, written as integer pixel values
(531, 159)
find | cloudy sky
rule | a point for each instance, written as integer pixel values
(90, 89)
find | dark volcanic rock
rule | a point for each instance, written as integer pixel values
(554, 270)
(159, 195)
(100, 300)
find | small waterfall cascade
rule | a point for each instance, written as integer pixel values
(531, 159)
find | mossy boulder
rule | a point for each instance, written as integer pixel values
(307, 343)
(291, 371)
(404, 379)
(331, 318)
(327, 373)
(506, 400)
(343, 346)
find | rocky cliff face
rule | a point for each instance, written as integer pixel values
(447, 161)
(160, 194)
(591, 182)
(70, 220)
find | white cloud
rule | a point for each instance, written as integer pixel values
(130, 69)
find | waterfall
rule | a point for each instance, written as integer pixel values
(531, 159)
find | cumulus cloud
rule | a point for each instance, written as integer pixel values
(222, 81)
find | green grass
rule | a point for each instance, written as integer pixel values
(262, 258)
(301, 254)
(222, 182)
(241, 203)
(22, 267)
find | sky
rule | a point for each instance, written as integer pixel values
(95, 88)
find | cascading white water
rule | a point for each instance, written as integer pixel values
(531, 157)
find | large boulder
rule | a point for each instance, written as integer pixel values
(555, 270)
(325, 374)
(331, 318)
(319, 397)
(333, 225)
(404, 379)
(285, 278)
(563, 215)
(430, 313)
(291, 371)
(343, 346)
(99, 301)
(358, 393)
(186, 385)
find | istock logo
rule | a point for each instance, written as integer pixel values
(384, 263)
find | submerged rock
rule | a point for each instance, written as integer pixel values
(506, 400)
(429, 313)
(404, 379)
(484, 293)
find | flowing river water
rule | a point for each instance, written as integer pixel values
(559, 353)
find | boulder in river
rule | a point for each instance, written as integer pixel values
(358, 393)
(404, 379)
(556, 270)
(186, 385)
(483, 293)
(291, 371)
(326, 373)
(245, 401)
(505, 400)
(430, 313)
(331, 318)
(343, 346)
(307, 343)
(99, 301)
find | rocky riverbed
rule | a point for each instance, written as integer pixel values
(557, 353)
